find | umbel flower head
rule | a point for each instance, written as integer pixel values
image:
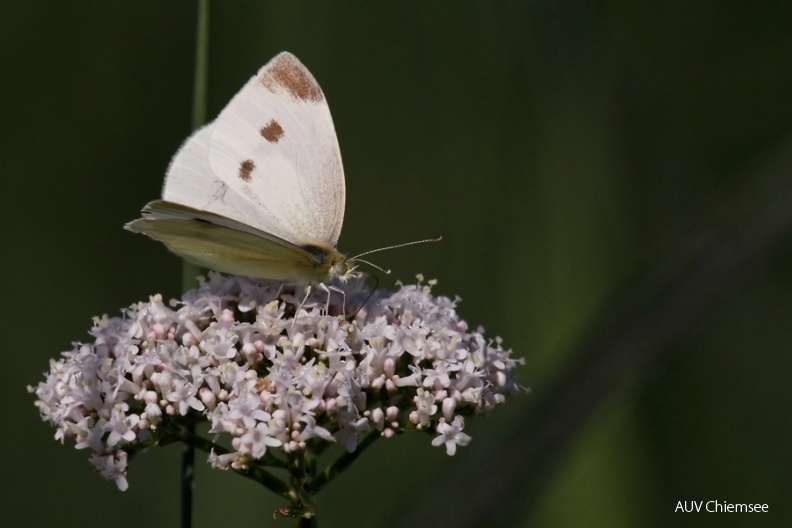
(278, 372)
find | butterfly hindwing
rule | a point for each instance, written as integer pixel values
(191, 182)
(219, 243)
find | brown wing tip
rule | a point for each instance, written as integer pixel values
(286, 72)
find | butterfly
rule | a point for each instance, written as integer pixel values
(259, 191)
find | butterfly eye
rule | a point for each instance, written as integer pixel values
(341, 269)
(345, 269)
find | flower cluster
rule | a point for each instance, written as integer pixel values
(275, 370)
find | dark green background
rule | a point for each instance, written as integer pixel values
(565, 151)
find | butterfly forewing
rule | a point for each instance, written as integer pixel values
(274, 146)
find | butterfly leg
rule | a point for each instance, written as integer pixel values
(326, 289)
(305, 299)
(343, 299)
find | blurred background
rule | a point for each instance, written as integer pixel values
(613, 181)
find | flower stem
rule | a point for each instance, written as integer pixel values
(187, 482)
(189, 270)
(187, 435)
(343, 462)
(201, 66)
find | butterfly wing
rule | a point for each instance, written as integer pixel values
(270, 160)
(223, 244)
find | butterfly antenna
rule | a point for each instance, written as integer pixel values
(383, 270)
(433, 239)
(376, 284)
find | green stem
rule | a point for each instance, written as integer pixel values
(343, 462)
(256, 473)
(187, 484)
(200, 81)
(201, 66)
(190, 271)
(266, 479)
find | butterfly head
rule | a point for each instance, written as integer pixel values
(329, 263)
(345, 269)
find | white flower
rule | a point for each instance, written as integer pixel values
(275, 371)
(183, 394)
(352, 430)
(113, 467)
(121, 428)
(256, 440)
(424, 407)
(451, 435)
(312, 430)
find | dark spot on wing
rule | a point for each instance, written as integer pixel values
(272, 131)
(286, 72)
(246, 168)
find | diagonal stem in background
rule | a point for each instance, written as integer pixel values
(639, 322)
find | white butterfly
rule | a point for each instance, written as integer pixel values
(260, 191)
